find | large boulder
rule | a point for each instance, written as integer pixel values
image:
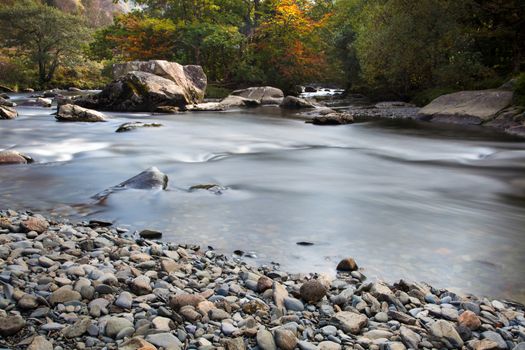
(467, 107)
(264, 95)
(14, 157)
(73, 113)
(8, 112)
(190, 78)
(141, 86)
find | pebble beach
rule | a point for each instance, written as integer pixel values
(91, 285)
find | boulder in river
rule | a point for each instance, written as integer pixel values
(14, 157)
(139, 92)
(8, 112)
(265, 95)
(150, 179)
(467, 107)
(141, 86)
(190, 78)
(74, 113)
(6, 102)
(292, 102)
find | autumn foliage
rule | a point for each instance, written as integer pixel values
(289, 43)
(137, 37)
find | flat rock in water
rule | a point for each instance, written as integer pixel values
(467, 107)
(292, 102)
(14, 157)
(332, 119)
(74, 113)
(135, 125)
(213, 188)
(264, 95)
(232, 101)
(206, 107)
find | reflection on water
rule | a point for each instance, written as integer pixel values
(406, 200)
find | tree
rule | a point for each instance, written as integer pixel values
(408, 48)
(46, 35)
(289, 42)
(499, 30)
(135, 36)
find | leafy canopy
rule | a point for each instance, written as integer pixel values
(47, 36)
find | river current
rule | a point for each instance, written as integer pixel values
(406, 199)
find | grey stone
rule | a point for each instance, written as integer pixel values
(124, 300)
(442, 329)
(115, 325)
(165, 340)
(349, 322)
(10, 325)
(293, 304)
(265, 340)
(495, 337)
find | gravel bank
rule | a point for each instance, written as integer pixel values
(90, 285)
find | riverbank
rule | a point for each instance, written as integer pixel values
(91, 285)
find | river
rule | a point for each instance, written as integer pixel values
(406, 199)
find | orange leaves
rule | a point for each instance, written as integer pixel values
(136, 37)
(290, 41)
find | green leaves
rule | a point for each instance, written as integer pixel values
(44, 34)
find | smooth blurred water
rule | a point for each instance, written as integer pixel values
(405, 199)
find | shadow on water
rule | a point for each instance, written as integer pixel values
(407, 199)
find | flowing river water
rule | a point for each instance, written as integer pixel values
(405, 199)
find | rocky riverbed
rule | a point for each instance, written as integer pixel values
(90, 285)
